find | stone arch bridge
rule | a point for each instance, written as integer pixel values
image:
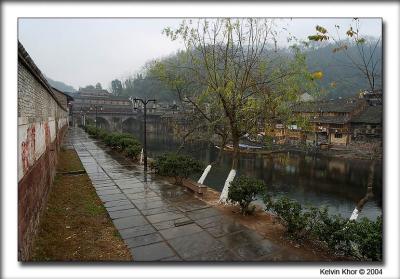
(119, 121)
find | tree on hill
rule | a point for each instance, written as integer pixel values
(116, 87)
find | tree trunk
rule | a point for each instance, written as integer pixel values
(235, 157)
(368, 195)
(231, 176)
(219, 156)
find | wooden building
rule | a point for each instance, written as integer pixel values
(330, 120)
(368, 124)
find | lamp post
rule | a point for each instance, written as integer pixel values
(96, 108)
(135, 102)
(71, 114)
(83, 119)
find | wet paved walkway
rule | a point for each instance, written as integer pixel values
(160, 221)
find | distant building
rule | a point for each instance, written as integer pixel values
(330, 120)
(374, 98)
(368, 124)
(87, 100)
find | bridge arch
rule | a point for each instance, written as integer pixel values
(132, 124)
(103, 123)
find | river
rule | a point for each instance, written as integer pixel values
(310, 179)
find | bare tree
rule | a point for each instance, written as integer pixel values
(365, 60)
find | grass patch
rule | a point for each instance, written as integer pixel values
(75, 225)
(68, 161)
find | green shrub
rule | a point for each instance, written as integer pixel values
(367, 235)
(244, 190)
(133, 151)
(290, 213)
(102, 134)
(113, 139)
(127, 135)
(361, 239)
(127, 142)
(92, 130)
(177, 166)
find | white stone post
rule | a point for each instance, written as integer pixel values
(355, 214)
(204, 175)
(141, 157)
(224, 194)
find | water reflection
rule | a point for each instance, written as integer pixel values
(311, 180)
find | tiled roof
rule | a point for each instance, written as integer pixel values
(93, 91)
(100, 97)
(372, 114)
(330, 119)
(338, 105)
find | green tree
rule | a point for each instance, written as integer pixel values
(116, 87)
(231, 64)
(98, 86)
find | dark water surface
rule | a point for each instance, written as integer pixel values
(311, 180)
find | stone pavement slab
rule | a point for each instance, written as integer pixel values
(136, 231)
(143, 240)
(200, 243)
(152, 252)
(180, 231)
(130, 222)
(124, 213)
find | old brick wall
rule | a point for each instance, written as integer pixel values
(42, 123)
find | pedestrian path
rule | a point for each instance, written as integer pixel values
(160, 221)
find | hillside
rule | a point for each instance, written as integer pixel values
(341, 78)
(61, 85)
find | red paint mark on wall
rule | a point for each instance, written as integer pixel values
(28, 147)
(47, 134)
(32, 135)
(25, 156)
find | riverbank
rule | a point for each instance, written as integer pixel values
(75, 225)
(360, 151)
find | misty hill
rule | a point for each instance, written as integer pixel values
(340, 76)
(61, 85)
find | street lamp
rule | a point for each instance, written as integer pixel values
(83, 117)
(96, 108)
(135, 102)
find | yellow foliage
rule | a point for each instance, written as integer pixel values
(318, 75)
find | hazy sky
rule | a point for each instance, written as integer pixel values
(79, 52)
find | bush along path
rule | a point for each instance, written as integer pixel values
(177, 166)
(361, 239)
(123, 142)
(347, 239)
